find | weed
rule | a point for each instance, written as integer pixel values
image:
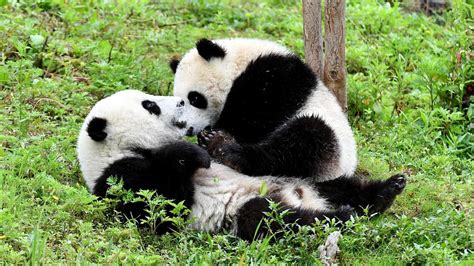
(407, 78)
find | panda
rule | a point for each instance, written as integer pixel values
(271, 114)
(137, 138)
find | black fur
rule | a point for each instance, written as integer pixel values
(267, 142)
(251, 226)
(197, 100)
(174, 62)
(270, 90)
(151, 107)
(208, 49)
(377, 195)
(96, 128)
(167, 171)
(346, 196)
(303, 147)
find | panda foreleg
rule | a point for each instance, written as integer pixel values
(168, 171)
(376, 195)
(182, 158)
(224, 149)
(303, 147)
(251, 223)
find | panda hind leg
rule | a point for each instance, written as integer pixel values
(251, 223)
(377, 195)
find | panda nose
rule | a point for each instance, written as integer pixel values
(180, 104)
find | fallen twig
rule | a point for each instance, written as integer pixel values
(330, 249)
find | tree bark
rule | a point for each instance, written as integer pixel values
(313, 39)
(334, 60)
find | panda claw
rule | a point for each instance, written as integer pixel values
(397, 183)
(345, 212)
(203, 139)
(215, 142)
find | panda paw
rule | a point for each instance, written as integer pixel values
(222, 147)
(388, 192)
(344, 213)
(199, 157)
(213, 140)
(395, 184)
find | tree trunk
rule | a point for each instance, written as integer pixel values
(333, 69)
(334, 60)
(313, 38)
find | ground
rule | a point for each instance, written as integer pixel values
(407, 77)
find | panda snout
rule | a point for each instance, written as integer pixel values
(180, 103)
(179, 124)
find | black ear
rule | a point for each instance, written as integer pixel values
(174, 62)
(207, 49)
(96, 128)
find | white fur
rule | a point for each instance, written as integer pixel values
(129, 125)
(323, 103)
(220, 191)
(214, 80)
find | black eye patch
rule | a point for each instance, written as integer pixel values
(151, 107)
(197, 100)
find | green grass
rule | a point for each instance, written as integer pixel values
(407, 73)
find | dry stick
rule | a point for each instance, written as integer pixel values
(110, 53)
(313, 41)
(38, 62)
(130, 14)
(334, 62)
(45, 44)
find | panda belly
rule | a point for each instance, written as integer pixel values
(323, 105)
(220, 193)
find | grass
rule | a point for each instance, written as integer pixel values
(407, 75)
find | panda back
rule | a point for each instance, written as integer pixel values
(271, 89)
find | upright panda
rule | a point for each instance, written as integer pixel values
(138, 137)
(273, 114)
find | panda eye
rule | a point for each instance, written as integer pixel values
(197, 100)
(151, 107)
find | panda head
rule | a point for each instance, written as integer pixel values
(125, 121)
(204, 76)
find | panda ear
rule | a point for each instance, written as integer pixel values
(208, 49)
(174, 62)
(96, 128)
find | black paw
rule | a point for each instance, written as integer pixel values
(222, 147)
(345, 212)
(186, 154)
(388, 192)
(396, 183)
(212, 140)
(204, 137)
(201, 158)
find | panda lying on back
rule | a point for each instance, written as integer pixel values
(138, 137)
(276, 116)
